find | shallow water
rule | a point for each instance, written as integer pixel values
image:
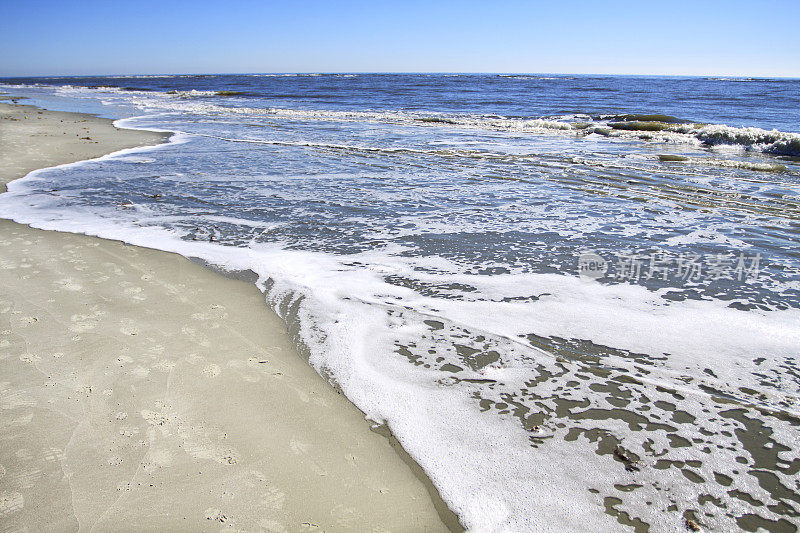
(572, 313)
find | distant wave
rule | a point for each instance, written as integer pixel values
(532, 77)
(301, 75)
(730, 163)
(194, 92)
(643, 127)
(735, 79)
(660, 128)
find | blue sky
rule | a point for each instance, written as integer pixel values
(568, 36)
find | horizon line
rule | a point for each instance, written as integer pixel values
(463, 73)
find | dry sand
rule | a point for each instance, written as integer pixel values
(141, 391)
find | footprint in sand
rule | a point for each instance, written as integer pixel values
(154, 418)
(200, 446)
(129, 329)
(114, 269)
(28, 320)
(135, 294)
(128, 431)
(228, 457)
(53, 454)
(132, 291)
(83, 323)
(212, 371)
(67, 284)
(216, 515)
(219, 310)
(10, 503)
(29, 358)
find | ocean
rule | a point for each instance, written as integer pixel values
(574, 300)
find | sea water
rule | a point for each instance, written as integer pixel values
(575, 300)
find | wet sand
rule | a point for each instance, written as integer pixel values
(141, 391)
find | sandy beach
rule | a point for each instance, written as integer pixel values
(141, 391)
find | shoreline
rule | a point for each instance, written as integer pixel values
(139, 386)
